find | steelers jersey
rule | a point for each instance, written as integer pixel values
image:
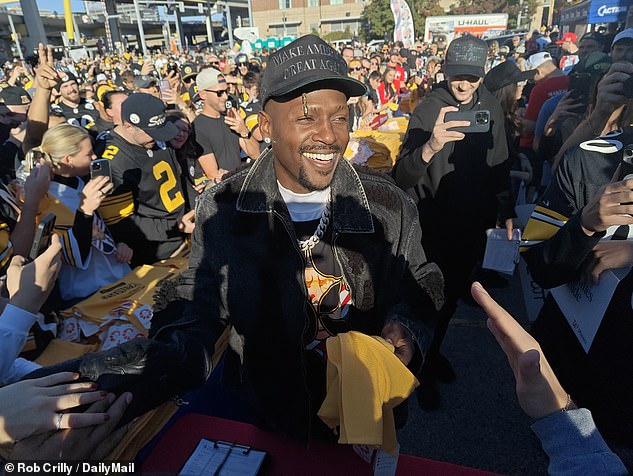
(83, 115)
(148, 198)
(251, 110)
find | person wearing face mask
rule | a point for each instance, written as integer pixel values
(460, 182)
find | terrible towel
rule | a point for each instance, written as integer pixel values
(365, 381)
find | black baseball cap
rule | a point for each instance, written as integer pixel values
(188, 70)
(66, 77)
(147, 112)
(506, 73)
(14, 96)
(306, 63)
(145, 81)
(466, 55)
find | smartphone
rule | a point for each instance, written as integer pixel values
(231, 102)
(479, 120)
(100, 168)
(42, 237)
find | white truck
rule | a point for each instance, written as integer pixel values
(442, 30)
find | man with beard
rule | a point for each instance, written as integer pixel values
(220, 131)
(148, 202)
(460, 183)
(75, 109)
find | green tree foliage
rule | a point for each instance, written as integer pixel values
(377, 19)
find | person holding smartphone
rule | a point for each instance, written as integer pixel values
(460, 182)
(220, 131)
(91, 257)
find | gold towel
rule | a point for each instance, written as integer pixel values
(365, 381)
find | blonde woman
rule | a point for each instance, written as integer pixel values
(91, 258)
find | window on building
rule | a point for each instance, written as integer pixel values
(313, 3)
(285, 4)
(336, 2)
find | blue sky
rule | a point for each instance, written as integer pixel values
(58, 5)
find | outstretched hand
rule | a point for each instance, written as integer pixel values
(538, 389)
(93, 443)
(46, 76)
(31, 407)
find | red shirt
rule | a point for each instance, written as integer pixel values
(387, 93)
(400, 76)
(540, 93)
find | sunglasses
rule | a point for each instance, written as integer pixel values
(219, 93)
(355, 69)
(215, 63)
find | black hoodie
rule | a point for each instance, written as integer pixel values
(465, 187)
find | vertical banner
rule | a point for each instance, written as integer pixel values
(403, 29)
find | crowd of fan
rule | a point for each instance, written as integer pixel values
(171, 126)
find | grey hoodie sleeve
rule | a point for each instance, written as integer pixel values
(574, 445)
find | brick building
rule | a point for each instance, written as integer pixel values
(298, 17)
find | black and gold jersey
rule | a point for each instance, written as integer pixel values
(83, 115)
(148, 198)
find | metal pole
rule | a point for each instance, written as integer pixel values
(180, 43)
(250, 13)
(229, 24)
(139, 22)
(15, 37)
(209, 24)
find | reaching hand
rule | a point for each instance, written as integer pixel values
(147, 68)
(610, 93)
(31, 407)
(46, 76)
(608, 207)
(538, 390)
(92, 443)
(611, 255)
(123, 253)
(567, 107)
(30, 284)
(441, 133)
(394, 333)
(235, 123)
(187, 222)
(37, 183)
(93, 194)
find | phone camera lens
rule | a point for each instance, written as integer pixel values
(481, 118)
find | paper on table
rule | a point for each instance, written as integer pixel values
(223, 459)
(502, 254)
(584, 306)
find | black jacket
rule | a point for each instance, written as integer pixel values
(464, 188)
(246, 271)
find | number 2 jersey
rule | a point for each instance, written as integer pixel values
(148, 198)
